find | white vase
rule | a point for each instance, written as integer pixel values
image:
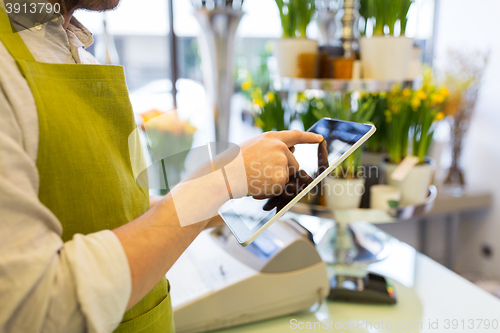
(343, 193)
(384, 197)
(287, 51)
(415, 187)
(415, 64)
(385, 58)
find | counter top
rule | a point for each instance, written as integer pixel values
(430, 297)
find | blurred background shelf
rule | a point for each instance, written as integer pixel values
(364, 85)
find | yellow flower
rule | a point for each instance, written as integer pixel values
(437, 98)
(415, 103)
(383, 94)
(388, 116)
(188, 128)
(443, 92)
(256, 94)
(395, 108)
(439, 116)
(396, 87)
(246, 85)
(406, 92)
(421, 95)
(301, 97)
(259, 123)
(270, 97)
(148, 115)
(259, 102)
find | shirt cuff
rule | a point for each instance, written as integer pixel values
(102, 277)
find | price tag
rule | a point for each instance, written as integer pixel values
(404, 168)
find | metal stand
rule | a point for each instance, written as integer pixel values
(348, 242)
(350, 32)
(218, 28)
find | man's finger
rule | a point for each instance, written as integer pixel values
(292, 162)
(291, 138)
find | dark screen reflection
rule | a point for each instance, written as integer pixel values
(339, 138)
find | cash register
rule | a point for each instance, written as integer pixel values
(217, 283)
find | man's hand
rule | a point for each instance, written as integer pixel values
(269, 161)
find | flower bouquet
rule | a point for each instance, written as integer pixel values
(168, 141)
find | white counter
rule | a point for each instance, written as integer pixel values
(426, 291)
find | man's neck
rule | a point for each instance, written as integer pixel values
(67, 13)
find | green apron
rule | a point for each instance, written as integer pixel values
(86, 180)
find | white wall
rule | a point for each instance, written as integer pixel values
(474, 25)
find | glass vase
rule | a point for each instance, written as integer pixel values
(454, 183)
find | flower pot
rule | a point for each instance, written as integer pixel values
(385, 58)
(415, 64)
(343, 193)
(287, 53)
(384, 197)
(342, 68)
(308, 65)
(415, 187)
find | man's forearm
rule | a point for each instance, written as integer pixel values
(155, 240)
(153, 243)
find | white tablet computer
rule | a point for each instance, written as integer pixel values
(247, 217)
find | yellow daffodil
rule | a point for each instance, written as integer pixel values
(439, 116)
(437, 98)
(301, 96)
(259, 122)
(421, 95)
(415, 103)
(256, 94)
(246, 85)
(383, 94)
(395, 108)
(270, 97)
(396, 87)
(406, 93)
(443, 92)
(259, 102)
(388, 116)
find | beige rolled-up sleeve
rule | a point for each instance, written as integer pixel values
(47, 285)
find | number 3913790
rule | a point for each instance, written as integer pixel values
(32, 8)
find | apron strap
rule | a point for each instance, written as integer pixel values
(12, 40)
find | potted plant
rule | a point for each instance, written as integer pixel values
(266, 106)
(295, 17)
(344, 187)
(415, 113)
(385, 56)
(269, 113)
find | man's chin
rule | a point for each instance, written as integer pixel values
(96, 5)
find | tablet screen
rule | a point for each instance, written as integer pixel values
(245, 216)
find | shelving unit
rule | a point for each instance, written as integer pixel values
(331, 85)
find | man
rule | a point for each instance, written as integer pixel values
(80, 250)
